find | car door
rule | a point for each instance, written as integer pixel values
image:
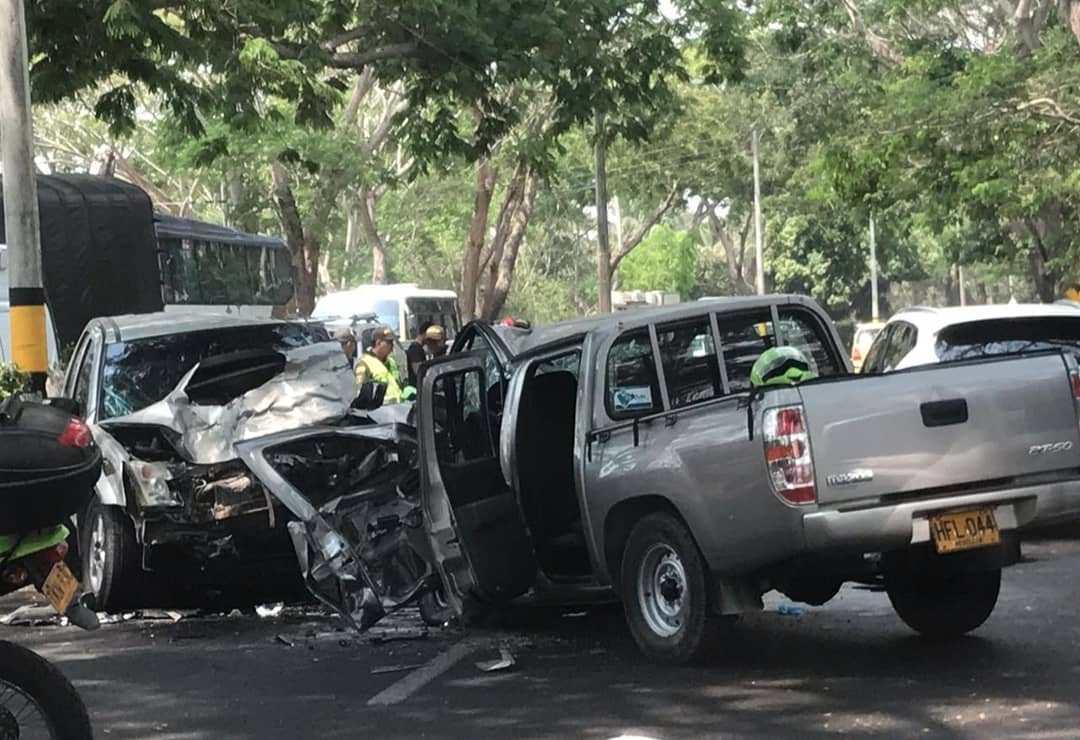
(481, 546)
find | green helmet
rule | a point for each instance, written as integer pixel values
(780, 366)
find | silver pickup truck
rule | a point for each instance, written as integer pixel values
(630, 453)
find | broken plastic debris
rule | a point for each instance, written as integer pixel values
(266, 611)
(790, 610)
(393, 635)
(31, 615)
(284, 641)
(396, 668)
(505, 661)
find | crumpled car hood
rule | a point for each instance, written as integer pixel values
(316, 386)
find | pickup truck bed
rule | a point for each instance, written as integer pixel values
(890, 449)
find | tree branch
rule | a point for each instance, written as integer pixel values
(643, 230)
(879, 45)
(358, 60)
(351, 60)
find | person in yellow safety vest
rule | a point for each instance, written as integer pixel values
(377, 364)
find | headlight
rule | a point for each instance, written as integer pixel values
(152, 485)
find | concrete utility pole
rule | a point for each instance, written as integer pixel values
(875, 314)
(758, 235)
(603, 246)
(25, 291)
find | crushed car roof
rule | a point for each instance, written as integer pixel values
(163, 323)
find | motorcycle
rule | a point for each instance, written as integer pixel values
(48, 466)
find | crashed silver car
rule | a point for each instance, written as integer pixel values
(168, 396)
(634, 454)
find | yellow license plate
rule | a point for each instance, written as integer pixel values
(60, 587)
(964, 530)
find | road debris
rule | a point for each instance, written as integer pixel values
(282, 639)
(268, 611)
(396, 668)
(397, 634)
(31, 615)
(505, 661)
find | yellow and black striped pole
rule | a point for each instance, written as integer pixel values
(21, 224)
(28, 340)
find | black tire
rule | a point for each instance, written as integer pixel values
(434, 610)
(667, 627)
(117, 584)
(54, 695)
(944, 606)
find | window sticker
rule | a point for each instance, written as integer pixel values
(632, 398)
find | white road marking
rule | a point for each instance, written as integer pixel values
(401, 690)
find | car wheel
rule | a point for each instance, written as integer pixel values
(943, 606)
(434, 610)
(664, 590)
(111, 557)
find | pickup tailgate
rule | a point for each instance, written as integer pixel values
(941, 426)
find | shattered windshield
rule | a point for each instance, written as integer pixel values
(977, 339)
(141, 372)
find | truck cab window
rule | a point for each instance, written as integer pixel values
(802, 331)
(691, 370)
(461, 412)
(743, 337)
(632, 385)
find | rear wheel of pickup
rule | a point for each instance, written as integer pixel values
(111, 556)
(664, 590)
(944, 605)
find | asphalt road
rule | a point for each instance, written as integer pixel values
(849, 667)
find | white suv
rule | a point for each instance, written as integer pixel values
(926, 336)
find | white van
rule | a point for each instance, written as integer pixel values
(403, 307)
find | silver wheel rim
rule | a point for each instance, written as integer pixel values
(97, 554)
(662, 593)
(21, 718)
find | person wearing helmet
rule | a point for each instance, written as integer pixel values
(377, 364)
(781, 366)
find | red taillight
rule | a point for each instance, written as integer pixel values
(787, 455)
(75, 434)
(1074, 381)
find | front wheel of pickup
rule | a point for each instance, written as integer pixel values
(943, 606)
(664, 590)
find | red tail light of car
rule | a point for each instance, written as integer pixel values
(75, 434)
(787, 455)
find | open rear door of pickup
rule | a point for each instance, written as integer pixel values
(482, 548)
(946, 427)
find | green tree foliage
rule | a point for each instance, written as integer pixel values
(666, 260)
(12, 380)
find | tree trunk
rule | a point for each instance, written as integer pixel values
(1074, 18)
(474, 242)
(366, 212)
(304, 250)
(491, 259)
(496, 297)
(604, 268)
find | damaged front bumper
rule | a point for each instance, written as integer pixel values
(358, 531)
